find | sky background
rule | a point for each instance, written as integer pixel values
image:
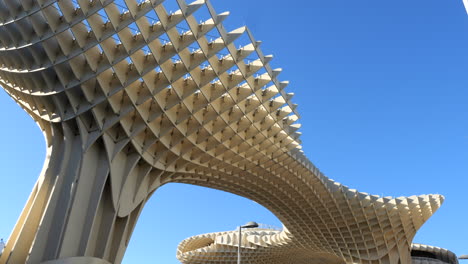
(382, 88)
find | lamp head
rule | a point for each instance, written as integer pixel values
(250, 225)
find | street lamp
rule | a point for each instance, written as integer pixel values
(248, 225)
(2, 246)
(463, 257)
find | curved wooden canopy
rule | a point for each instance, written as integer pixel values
(131, 97)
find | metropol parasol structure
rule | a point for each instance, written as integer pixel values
(129, 100)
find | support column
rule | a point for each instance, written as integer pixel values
(71, 215)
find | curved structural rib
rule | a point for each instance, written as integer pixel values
(276, 247)
(131, 97)
(424, 254)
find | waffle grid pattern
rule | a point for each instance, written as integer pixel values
(132, 99)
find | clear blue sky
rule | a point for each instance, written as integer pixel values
(382, 87)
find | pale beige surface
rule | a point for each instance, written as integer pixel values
(442, 255)
(123, 117)
(263, 246)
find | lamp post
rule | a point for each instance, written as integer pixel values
(248, 225)
(2, 246)
(463, 257)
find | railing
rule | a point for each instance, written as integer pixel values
(265, 227)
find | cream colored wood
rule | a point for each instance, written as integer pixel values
(440, 255)
(132, 99)
(262, 245)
